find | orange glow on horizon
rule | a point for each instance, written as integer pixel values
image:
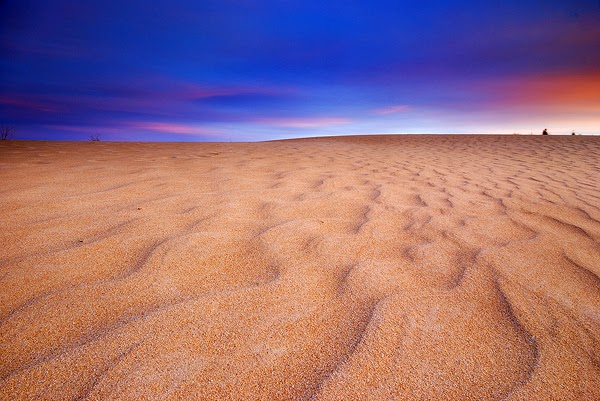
(569, 92)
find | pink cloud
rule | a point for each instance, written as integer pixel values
(120, 128)
(171, 128)
(23, 103)
(304, 122)
(86, 129)
(391, 109)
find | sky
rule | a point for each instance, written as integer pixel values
(251, 70)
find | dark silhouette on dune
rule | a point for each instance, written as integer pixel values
(545, 132)
(6, 131)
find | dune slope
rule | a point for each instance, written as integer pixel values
(410, 267)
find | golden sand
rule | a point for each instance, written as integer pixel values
(406, 268)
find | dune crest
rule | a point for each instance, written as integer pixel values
(384, 267)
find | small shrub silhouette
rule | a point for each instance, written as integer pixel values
(6, 131)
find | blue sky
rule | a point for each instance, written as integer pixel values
(257, 70)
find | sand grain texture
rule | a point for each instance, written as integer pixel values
(362, 268)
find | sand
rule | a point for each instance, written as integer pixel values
(358, 268)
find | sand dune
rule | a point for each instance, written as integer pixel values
(408, 268)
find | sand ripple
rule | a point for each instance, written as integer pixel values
(421, 267)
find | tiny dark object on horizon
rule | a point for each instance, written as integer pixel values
(95, 137)
(545, 132)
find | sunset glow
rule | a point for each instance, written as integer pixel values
(259, 70)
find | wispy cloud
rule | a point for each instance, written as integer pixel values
(192, 90)
(66, 48)
(36, 105)
(304, 122)
(169, 98)
(171, 128)
(125, 127)
(391, 109)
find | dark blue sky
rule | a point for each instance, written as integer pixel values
(255, 70)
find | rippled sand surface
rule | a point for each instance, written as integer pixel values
(406, 268)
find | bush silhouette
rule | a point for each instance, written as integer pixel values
(6, 132)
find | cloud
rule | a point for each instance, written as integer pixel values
(303, 122)
(143, 98)
(128, 126)
(391, 109)
(195, 91)
(36, 105)
(171, 128)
